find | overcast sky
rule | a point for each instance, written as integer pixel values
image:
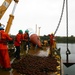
(44, 13)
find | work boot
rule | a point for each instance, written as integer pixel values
(7, 69)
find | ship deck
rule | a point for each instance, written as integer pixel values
(35, 52)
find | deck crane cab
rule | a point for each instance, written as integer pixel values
(3, 9)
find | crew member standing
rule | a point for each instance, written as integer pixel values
(51, 42)
(4, 55)
(17, 43)
(26, 40)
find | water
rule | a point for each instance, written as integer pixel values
(68, 70)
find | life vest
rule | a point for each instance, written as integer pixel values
(0, 35)
(26, 37)
(18, 39)
(4, 38)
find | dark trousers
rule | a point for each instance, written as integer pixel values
(17, 53)
(25, 44)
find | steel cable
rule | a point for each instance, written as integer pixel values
(60, 17)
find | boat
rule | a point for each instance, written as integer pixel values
(45, 63)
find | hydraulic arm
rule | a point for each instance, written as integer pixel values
(11, 17)
(3, 9)
(5, 6)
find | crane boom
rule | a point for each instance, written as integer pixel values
(4, 7)
(10, 20)
(9, 23)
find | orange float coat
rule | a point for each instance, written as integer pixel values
(18, 39)
(26, 41)
(51, 39)
(26, 36)
(4, 56)
(17, 43)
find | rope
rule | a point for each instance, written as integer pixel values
(60, 17)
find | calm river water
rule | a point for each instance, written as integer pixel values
(68, 70)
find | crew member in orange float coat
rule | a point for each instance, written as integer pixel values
(17, 43)
(4, 55)
(51, 41)
(26, 39)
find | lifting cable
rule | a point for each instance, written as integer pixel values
(60, 17)
(67, 21)
(68, 51)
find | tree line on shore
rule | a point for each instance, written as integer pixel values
(59, 39)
